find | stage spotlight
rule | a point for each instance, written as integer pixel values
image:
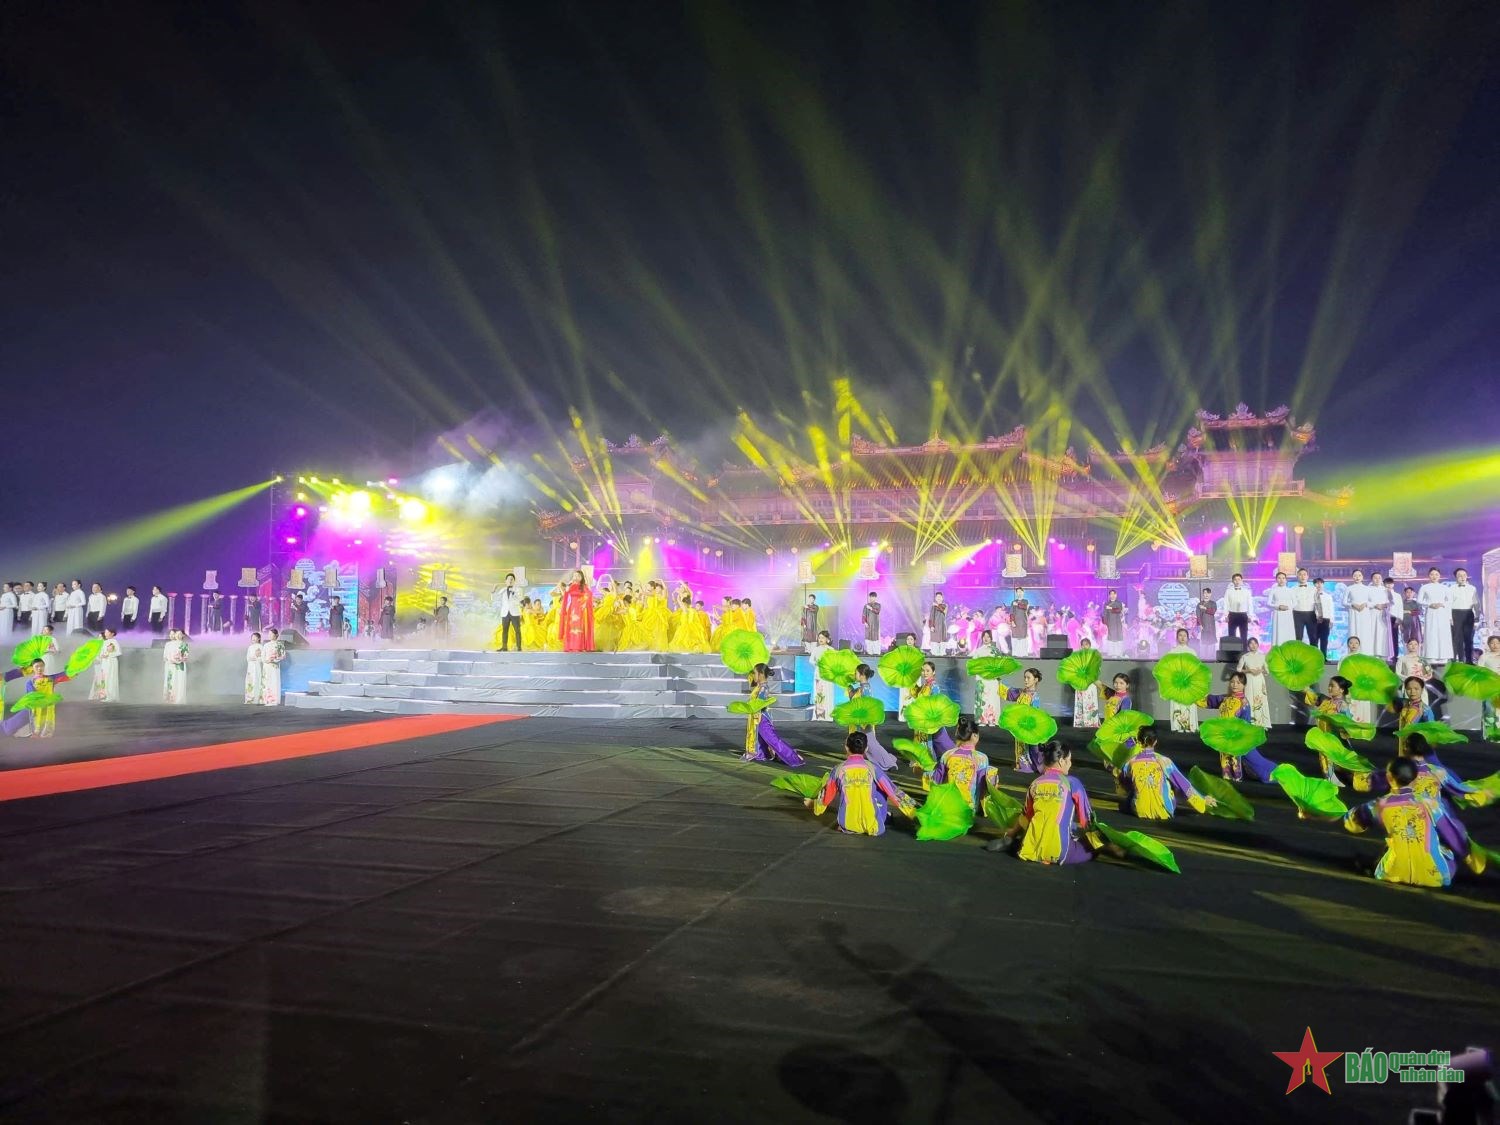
(301, 496)
(413, 510)
(301, 480)
(360, 501)
(301, 512)
(359, 542)
(279, 478)
(705, 550)
(769, 550)
(1299, 529)
(718, 554)
(392, 481)
(1281, 527)
(291, 540)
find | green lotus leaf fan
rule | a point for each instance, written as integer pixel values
(1182, 678)
(1080, 670)
(862, 711)
(1232, 804)
(945, 815)
(931, 713)
(1124, 726)
(1234, 737)
(1295, 665)
(992, 667)
(742, 650)
(1315, 795)
(1031, 725)
(837, 666)
(902, 667)
(1370, 678)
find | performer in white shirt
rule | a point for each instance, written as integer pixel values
(1304, 619)
(157, 611)
(41, 609)
(77, 605)
(1361, 616)
(106, 688)
(1380, 606)
(10, 606)
(130, 609)
(1437, 621)
(1462, 596)
(96, 605)
(1322, 616)
(254, 670)
(60, 607)
(1279, 602)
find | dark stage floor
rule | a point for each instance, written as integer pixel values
(554, 919)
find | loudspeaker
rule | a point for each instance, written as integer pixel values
(1051, 653)
(1057, 640)
(1230, 650)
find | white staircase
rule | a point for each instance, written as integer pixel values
(622, 685)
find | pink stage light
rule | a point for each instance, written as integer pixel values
(1223, 531)
(1281, 527)
(291, 540)
(301, 512)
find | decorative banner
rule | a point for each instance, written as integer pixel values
(1198, 566)
(1174, 597)
(933, 575)
(519, 572)
(210, 579)
(438, 581)
(331, 575)
(1013, 566)
(1286, 562)
(1401, 565)
(805, 571)
(867, 570)
(1109, 567)
(248, 581)
(296, 580)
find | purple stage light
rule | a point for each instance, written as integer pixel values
(291, 540)
(301, 512)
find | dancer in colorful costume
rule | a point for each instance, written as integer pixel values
(1236, 705)
(863, 791)
(1423, 846)
(761, 740)
(1149, 779)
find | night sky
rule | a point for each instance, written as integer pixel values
(242, 240)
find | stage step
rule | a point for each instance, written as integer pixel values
(609, 685)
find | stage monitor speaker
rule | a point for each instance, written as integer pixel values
(1050, 653)
(1057, 640)
(1230, 650)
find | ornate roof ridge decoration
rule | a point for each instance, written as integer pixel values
(1064, 465)
(864, 447)
(1156, 454)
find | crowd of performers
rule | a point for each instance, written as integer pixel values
(582, 617)
(1415, 800)
(47, 671)
(1436, 621)
(1441, 618)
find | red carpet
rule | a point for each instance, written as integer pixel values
(72, 776)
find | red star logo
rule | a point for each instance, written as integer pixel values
(1306, 1060)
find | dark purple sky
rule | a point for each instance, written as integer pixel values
(247, 239)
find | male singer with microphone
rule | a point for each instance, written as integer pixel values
(508, 602)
